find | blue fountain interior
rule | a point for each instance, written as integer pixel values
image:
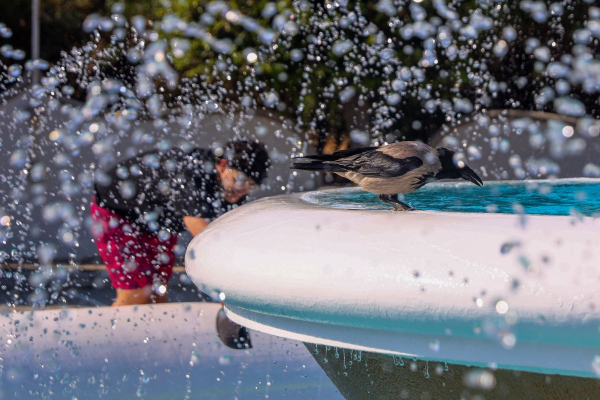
(529, 197)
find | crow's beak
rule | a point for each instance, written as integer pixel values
(470, 175)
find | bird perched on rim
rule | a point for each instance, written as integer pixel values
(390, 170)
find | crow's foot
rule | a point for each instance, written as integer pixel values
(393, 200)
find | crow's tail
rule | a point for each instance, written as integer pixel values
(316, 165)
(329, 162)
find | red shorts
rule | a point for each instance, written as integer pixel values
(134, 259)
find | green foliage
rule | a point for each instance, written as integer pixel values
(328, 93)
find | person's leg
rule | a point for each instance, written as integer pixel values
(161, 253)
(154, 260)
(128, 297)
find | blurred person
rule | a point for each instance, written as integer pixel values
(142, 203)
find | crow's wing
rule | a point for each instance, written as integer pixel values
(375, 163)
(339, 154)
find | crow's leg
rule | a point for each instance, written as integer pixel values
(393, 200)
(401, 206)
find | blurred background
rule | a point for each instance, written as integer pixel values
(335, 67)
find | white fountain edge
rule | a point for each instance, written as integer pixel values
(550, 358)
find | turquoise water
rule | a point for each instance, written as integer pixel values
(529, 197)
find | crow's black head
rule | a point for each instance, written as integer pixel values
(455, 170)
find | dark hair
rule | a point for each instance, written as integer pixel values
(248, 156)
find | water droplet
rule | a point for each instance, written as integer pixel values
(480, 379)
(596, 365)
(128, 189)
(508, 246)
(501, 307)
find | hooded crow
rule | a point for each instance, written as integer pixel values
(390, 170)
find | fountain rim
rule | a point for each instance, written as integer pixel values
(261, 300)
